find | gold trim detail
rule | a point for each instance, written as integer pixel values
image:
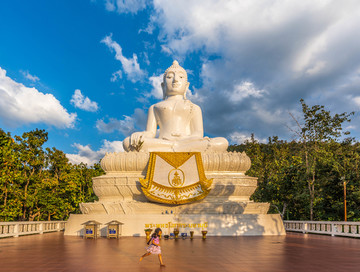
(176, 193)
(176, 181)
(175, 159)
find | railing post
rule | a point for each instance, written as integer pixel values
(41, 228)
(16, 230)
(305, 225)
(333, 229)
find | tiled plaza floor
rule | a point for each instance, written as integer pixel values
(293, 252)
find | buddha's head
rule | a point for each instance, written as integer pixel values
(175, 81)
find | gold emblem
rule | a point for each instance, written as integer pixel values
(175, 178)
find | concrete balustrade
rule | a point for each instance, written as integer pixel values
(333, 228)
(15, 229)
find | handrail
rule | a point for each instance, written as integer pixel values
(17, 228)
(333, 228)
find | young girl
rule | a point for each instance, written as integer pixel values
(154, 246)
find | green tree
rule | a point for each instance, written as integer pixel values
(33, 163)
(10, 204)
(38, 183)
(277, 166)
(345, 169)
(319, 128)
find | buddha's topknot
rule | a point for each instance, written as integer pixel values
(175, 65)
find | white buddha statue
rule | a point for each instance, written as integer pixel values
(179, 120)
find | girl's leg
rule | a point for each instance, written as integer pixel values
(160, 260)
(146, 254)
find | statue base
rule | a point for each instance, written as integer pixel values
(120, 193)
(215, 224)
(226, 211)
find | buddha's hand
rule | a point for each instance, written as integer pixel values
(136, 138)
(176, 134)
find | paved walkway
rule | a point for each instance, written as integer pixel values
(294, 252)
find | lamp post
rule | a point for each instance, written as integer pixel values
(344, 183)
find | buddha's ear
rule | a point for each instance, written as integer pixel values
(187, 88)
(164, 91)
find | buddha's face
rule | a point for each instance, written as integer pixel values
(175, 81)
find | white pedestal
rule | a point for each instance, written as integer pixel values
(215, 224)
(226, 211)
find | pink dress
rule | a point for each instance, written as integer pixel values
(153, 249)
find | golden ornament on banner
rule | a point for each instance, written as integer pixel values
(175, 179)
(181, 178)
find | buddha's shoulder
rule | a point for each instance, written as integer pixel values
(166, 103)
(160, 104)
(193, 105)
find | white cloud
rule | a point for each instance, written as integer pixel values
(125, 6)
(195, 97)
(110, 5)
(126, 126)
(285, 50)
(22, 105)
(282, 50)
(130, 66)
(116, 75)
(27, 75)
(245, 89)
(166, 49)
(149, 28)
(270, 117)
(146, 58)
(357, 100)
(240, 138)
(155, 82)
(317, 67)
(350, 127)
(88, 156)
(84, 103)
(189, 25)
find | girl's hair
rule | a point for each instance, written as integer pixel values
(156, 232)
(154, 235)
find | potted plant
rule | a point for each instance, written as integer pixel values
(148, 233)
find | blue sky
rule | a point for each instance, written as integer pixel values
(87, 71)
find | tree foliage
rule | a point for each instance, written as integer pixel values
(304, 179)
(38, 183)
